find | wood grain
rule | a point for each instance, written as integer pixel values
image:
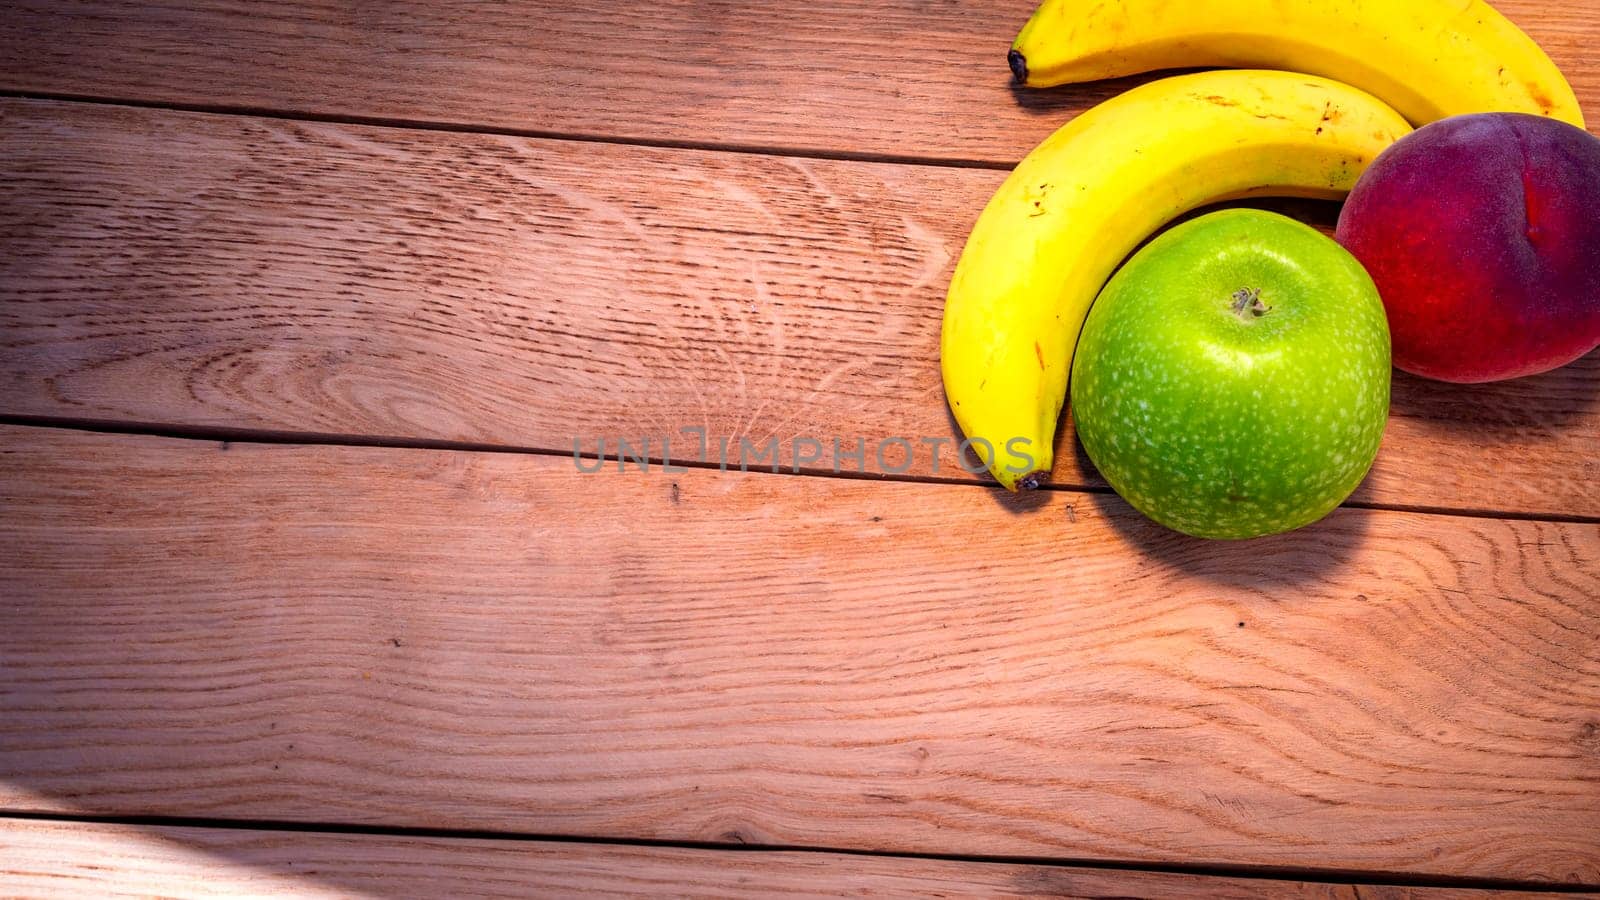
(895, 77)
(450, 639)
(198, 270)
(77, 859)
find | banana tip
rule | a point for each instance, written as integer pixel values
(1019, 66)
(1031, 481)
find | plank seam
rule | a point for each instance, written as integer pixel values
(231, 435)
(1377, 878)
(468, 128)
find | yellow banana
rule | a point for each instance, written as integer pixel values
(1427, 58)
(1084, 199)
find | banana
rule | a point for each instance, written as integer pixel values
(1083, 200)
(1427, 58)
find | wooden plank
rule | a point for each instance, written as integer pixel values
(460, 640)
(896, 77)
(79, 859)
(196, 270)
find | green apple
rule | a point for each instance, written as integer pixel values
(1232, 380)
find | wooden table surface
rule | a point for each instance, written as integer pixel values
(306, 306)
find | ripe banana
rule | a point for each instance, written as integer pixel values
(1427, 58)
(1084, 199)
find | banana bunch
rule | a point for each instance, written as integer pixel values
(1080, 202)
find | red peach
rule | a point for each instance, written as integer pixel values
(1482, 233)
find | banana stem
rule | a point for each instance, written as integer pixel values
(1019, 66)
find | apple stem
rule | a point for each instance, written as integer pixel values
(1247, 303)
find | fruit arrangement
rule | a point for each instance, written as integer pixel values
(1232, 379)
